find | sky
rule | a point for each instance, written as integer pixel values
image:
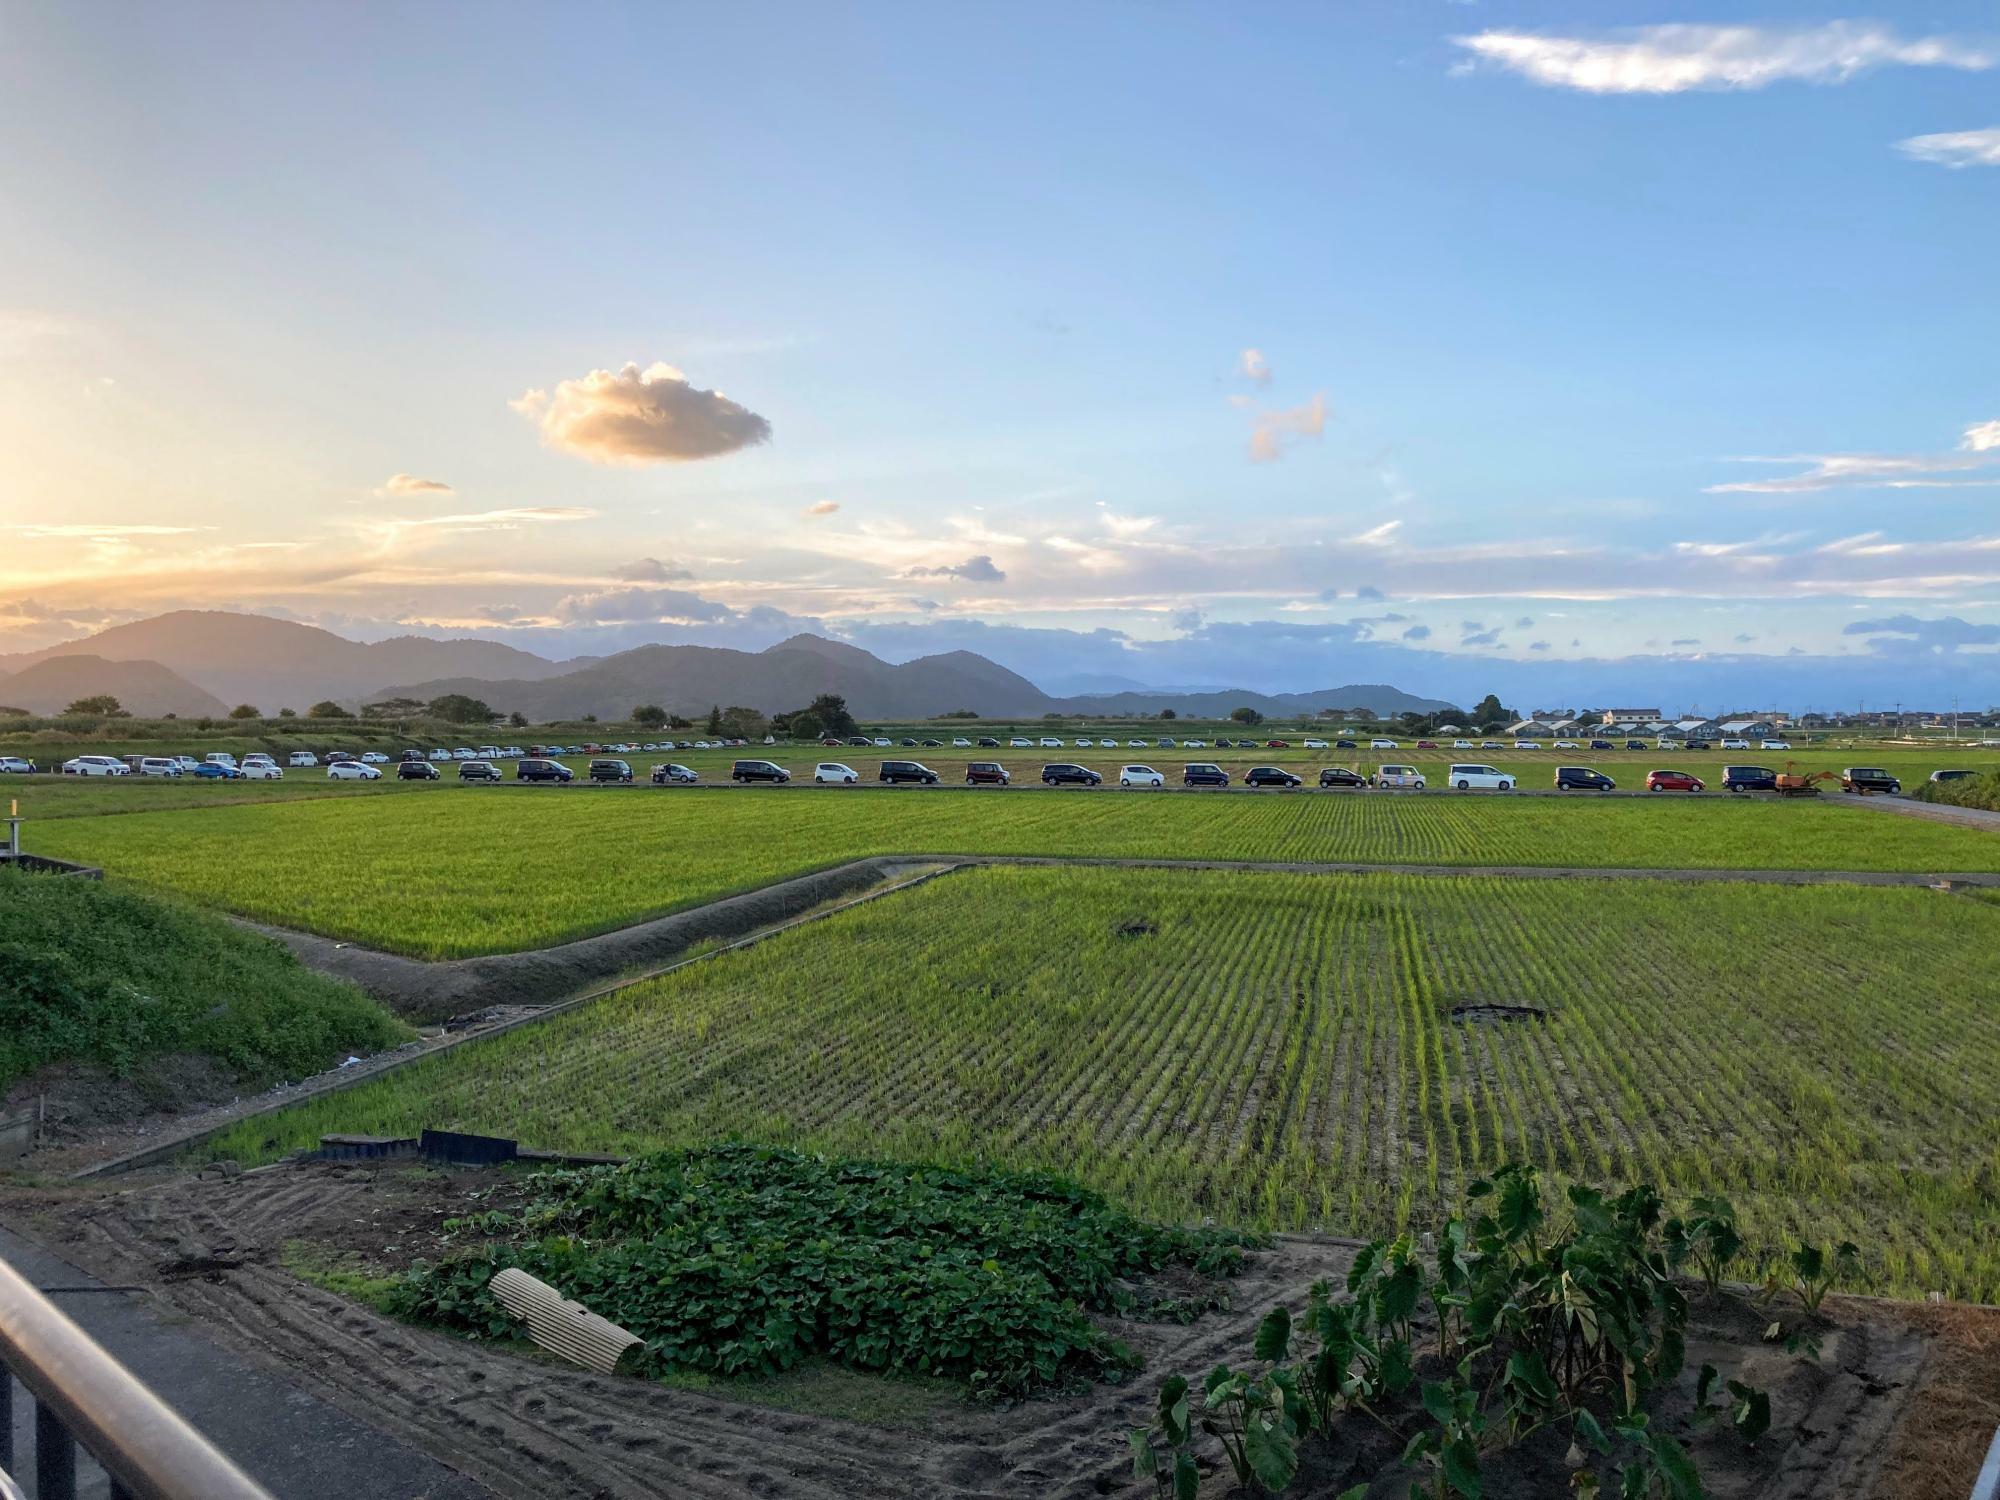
(1456, 346)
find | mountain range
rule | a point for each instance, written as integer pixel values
(200, 662)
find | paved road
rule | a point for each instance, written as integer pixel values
(1930, 812)
(295, 1444)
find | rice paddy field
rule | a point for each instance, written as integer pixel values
(483, 870)
(1281, 1050)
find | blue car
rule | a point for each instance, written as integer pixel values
(211, 771)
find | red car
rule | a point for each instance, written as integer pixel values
(831, 743)
(1277, 744)
(1672, 781)
(1427, 744)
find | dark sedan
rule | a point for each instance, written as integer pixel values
(1203, 773)
(1341, 776)
(1270, 776)
(1061, 773)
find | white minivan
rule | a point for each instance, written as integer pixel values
(1381, 744)
(1471, 778)
(302, 758)
(1736, 744)
(1408, 776)
(1140, 776)
(834, 773)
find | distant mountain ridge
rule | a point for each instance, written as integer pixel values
(202, 661)
(144, 688)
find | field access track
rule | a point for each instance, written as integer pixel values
(462, 874)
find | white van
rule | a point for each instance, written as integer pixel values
(1408, 776)
(159, 765)
(221, 758)
(1778, 744)
(1381, 744)
(1470, 778)
(302, 758)
(1736, 744)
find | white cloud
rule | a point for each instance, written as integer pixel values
(410, 484)
(1254, 367)
(1377, 536)
(1982, 437)
(1955, 148)
(822, 508)
(640, 416)
(1278, 430)
(1978, 451)
(1673, 59)
(650, 570)
(1127, 526)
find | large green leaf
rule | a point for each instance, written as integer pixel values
(1274, 1457)
(1461, 1467)
(1274, 1335)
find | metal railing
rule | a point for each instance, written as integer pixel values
(85, 1398)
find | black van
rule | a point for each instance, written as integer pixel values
(1203, 773)
(610, 770)
(1060, 773)
(1749, 779)
(1583, 779)
(894, 771)
(542, 770)
(747, 771)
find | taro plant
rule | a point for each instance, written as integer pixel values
(1707, 1239)
(1251, 1416)
(1747, 1409)
(1450, 1448)
(1169, 1463)
(1812, 1271)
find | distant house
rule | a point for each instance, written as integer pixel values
(1747, 729)
(1449, 729)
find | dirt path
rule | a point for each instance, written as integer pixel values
(523, 1427)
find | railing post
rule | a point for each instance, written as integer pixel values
(55, 1456)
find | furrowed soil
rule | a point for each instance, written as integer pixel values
(1851, 1424)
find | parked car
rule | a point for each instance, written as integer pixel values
(419, 755)
(438, 755)
(1733, 743)
(1464, 745)
(1601, 745)
(1341, 776)
(1062, 773)
(1427, 744)
(1050, 742)
(254, 768)
(1020, 742)
(747, 771)
(95, 765)
(416, 770)
(540, 768)
(835, 773)
(1381, 744)
(1271, 776)
(1471, 777)
(1697, 745)
(375, 757)
(480, 770)
(1345, 745)
(986, 773)
(302, 758)
(895, 772)
(1527, 744)
(14, 765)
(1203, 773)
(608, 770)
(189, 765)
(879, 743)
(1774, 744)
(1165, 742)
(1140, 776)
(1313, 744)
(159, 765)
(958, 742)
(1495, 745)
(1749, 779)
(215, 770)
(906, 744)
(352, 770)
(1635, 744)
(1568, 745)
(1865, 779)
(220, 758)
(987, 742)
(673, 773)
(1672, 781)
(1408, 776)
(1583, 779)
(1937, 777)
(860, 739)
(1277, 744)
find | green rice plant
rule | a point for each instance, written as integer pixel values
(471, 870)
(1255, 1059)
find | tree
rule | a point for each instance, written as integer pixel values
(805, 725)
(588, 719)
(675, 721)
(392, 708)
(649, 716)
(245, 711)
(715, 718)
(326, 708)
(1246, 715)
(8, 711)
(741, 723)
(833, 715)
(1168, 713)
(99, 705)
(293, 713)
(517, 720)
(1488, 711)
(457, 708)
(961, 713)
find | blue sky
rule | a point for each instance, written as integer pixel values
(1121, 342)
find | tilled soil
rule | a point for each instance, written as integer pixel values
(522, 1426)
